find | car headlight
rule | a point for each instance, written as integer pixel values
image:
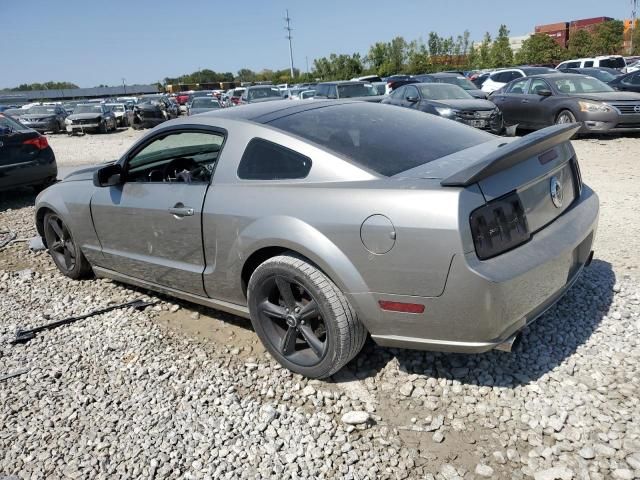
(593, 107)
(67, 121)
(445, 111)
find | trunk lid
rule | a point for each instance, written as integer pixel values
(540, 167)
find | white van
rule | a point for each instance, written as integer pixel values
(608, 61)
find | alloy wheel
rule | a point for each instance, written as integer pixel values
(292, 321)
(60, 243)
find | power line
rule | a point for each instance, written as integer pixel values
(289, 37)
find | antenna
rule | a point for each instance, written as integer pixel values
(289, 37)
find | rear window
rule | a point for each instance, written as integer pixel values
(383, 138)
(616, 62)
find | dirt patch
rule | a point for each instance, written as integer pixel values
(208, 325)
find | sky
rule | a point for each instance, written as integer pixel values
(101, 42)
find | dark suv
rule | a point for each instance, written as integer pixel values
(335, 90)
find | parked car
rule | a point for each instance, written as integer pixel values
(16, 113)
(396, 81)
(448, 101)
(380, 87)
(542, 100)
(605, 75)
(120, 112)
(26, 159)
(94, 117)
(45, 118)
(627, 83)
(366, 218)
(152, 110)
(182, 97)
(203, 104)
(236, 95)
(500, 78)
(632, 67)
(610, 61)
(367, 78)
(260, 93)
(479, 79)
(347, 89)
(454, 79)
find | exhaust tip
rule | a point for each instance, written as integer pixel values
(510, 344)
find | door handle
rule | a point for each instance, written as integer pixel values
(181, 211)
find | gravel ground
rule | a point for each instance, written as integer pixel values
(179, 391)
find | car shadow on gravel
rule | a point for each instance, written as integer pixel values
(17, 198)
(545, 344)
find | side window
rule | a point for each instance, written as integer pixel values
(263, 160)
(572, 65)
(321, 91)
(410, 91)
(634, 80)
(398, 93)
(514, 75)
(536, 85)
(588, 63)
(188, 157)
(332, 91)
(519, 87)
(498, 77)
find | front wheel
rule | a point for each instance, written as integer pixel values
(104, 128)
(63, 249)
(302, 317)
(565, 116)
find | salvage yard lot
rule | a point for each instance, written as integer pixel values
(183, 391)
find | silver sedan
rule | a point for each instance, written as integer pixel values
(325, 221)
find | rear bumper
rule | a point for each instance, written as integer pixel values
(33, 172)
(41, 126)
(486, 302)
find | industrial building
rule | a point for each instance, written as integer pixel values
(11, 97)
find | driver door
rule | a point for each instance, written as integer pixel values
(150, 225)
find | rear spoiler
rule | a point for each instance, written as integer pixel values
(509, 154)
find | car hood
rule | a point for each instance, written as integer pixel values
(84, 116)
(609, 96)
(465, 104)
(85, 173)
(195, 111)
(477, 94)
(35, 116)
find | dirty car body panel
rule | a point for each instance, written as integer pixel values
(397, 229)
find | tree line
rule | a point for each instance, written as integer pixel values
(437, 53)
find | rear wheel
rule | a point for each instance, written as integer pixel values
(302, 317)
(565, 116)
(65, 252)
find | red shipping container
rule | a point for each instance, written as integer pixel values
(585, 22)
(551, 27)
(560, 36)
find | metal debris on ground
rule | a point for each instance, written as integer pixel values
(23, 336)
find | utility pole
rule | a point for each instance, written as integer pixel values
(288, 37)
(634, 8)
(124, 86)
(306, 59)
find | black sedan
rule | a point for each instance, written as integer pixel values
(94, 117)
(454, 79)
(25, 156)
(627, 83)
(542, 100)
(448, 101)
(45, 118)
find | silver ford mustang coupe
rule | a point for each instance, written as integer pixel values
(326, 221)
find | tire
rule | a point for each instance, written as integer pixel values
(311, 329)
(565, 116)
(103, 128)
(64, 251)
(56, 128)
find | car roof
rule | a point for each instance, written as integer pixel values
(344, 82)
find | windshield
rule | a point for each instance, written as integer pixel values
(205, 102)
(462, 82)
(356, 90)
(43, 110)
(443, 91)
(538, 71)
(117, 108)
(382, 138)
(581, 84)
(238, 92)
(88, 109)
(601, 75)
(615, 62)
(268, 92)
(149, 98)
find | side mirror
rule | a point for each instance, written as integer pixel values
(412, 99)
(108, 176)
(544, 92)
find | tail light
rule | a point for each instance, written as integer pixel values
(40, 142)
(499, 226)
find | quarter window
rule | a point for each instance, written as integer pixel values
(263, 160)
(537, 85)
